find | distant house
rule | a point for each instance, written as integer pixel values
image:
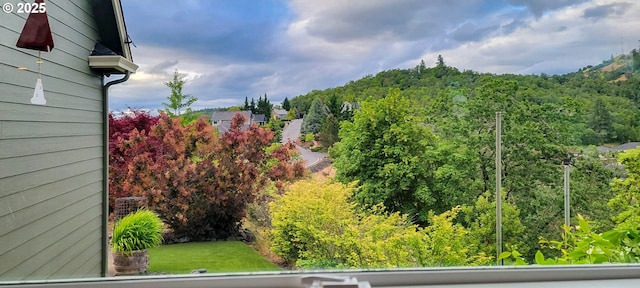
(280, 113)
(261, 119)
(619, 148)
(350, 106)
(627, 146)
(222, 119)
(53, 147)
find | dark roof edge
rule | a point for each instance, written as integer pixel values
(122, 29)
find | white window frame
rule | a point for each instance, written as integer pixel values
(493, 276)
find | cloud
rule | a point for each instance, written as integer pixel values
(339, 21)
(602, 11)
(539, 7)
(471, 32)
(162, 66)
(216, 29)
(555, 43)
(230, 50)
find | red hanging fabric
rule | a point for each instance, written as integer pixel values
(36, 33)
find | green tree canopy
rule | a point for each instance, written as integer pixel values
(387, 149)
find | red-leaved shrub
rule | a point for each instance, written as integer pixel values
(199, 182)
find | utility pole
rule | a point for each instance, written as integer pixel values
(567, 169)
(498, 187)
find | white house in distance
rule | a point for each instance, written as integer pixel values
(280, 113)
(222, 119)
(53, 136)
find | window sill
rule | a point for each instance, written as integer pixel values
(522, 277)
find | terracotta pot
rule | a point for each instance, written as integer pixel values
(131, 264)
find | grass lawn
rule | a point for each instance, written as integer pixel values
(220, 256)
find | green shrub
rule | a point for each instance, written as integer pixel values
(137, 231)
(315, 225)
(309, 137)
(317, 149)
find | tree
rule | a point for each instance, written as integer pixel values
(285, 104)
(313, 119)
(441, 69)
(334, 106)
(199, 182)
(422, 68)
(246, 106)
(627, 191)
(252, 106)
(601, 121)
(264, 107)
(275, 125)
(388, 151)
(329, 129)
(178, 100)
(480, 220)
(440, 62)
(590, 180)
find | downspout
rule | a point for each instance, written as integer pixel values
(105, 174)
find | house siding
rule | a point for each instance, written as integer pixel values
(51, 156)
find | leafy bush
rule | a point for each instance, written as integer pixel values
(627, 191)
(137, 231)
(480, 218)
(306, 138)
(582, 245)
(316, 226)
(120, 130)
(199, 182)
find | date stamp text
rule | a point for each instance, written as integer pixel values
(24, 8)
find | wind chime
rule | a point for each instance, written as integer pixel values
(36, 35)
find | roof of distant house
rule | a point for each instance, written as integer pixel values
(228, 115)
(619, 148)
(603, 149)
(259, 118)
(627, 146)
(280, 112)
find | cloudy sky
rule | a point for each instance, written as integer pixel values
(232, 49)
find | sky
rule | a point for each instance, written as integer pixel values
(231, 49)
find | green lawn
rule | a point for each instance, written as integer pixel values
(221, 256)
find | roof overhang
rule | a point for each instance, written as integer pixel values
(113, 34)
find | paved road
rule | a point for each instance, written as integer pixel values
(291, 133)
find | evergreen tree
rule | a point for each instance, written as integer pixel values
(285, 104)
(441, 68)
(422, 68)
(329, 129)
(440, 62)
(246, 104)
(264, 107)
(335, 107)
(252, 106)
(314, 118)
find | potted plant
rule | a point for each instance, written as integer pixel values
(132, 236)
